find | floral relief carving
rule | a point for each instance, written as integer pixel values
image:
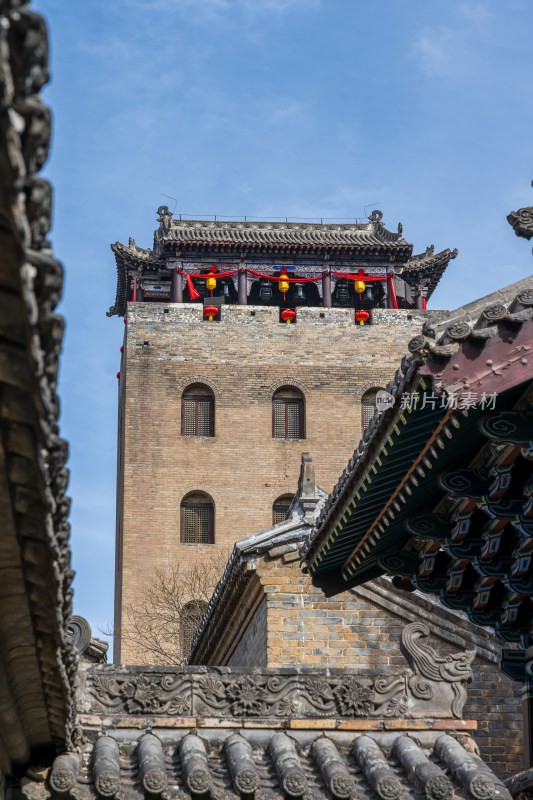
(354, 699)
(143, 694)
(246, 695)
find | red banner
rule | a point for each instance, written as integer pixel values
(205, 275)
(285, 277)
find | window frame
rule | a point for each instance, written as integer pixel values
(282, 502)
(369, 402)
(281, 400)
(198, 398)
(210, 522)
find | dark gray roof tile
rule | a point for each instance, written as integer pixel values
(263, 765)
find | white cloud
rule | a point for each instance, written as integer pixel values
(455, 49)
(441, 52)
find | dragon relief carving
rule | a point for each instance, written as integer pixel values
(431, 669)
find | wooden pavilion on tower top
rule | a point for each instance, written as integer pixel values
(287, 264)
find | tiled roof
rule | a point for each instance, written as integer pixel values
(263, 764)
(428, 268)
(371, 234)
(485, 347)
(37, 667)
(470, 322)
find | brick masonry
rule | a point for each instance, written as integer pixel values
(243, 358)
(299, 626)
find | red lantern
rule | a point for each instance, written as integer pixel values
(361, 317)
(118, 375)
(210, 312)
(211, 281)
(125, 320)
(283, 282)
(288, 315)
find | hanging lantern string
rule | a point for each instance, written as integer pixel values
(350, 276)
(285, 277)
(359, 276)
(205, 275)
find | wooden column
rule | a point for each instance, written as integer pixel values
(177, 288)
(242, 282)
(419, 302)
(326, 290)
(385, 299)
(390, 301)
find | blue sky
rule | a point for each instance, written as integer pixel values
(298, 108)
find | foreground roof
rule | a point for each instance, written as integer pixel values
(271, 765)
(37, 667)
(293, 733)
(441, 491)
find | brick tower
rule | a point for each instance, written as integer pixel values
(247, 343)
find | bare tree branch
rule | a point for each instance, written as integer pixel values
(162, 623)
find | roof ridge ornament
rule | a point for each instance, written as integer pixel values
(164, 218)
(521, 221)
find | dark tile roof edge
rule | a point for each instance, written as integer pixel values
(40, 530)
(313, 764)
(435, 339)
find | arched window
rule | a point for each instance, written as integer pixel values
(368, 406)
(190, 618)
(280, 508)
(197, 411)
(197, 519)
(288, 420)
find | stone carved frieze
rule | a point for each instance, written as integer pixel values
(434, 686)
(142, 693)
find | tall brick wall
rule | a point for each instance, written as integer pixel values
(243, 358)
(302, 627)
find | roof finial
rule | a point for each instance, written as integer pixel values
(164, 217)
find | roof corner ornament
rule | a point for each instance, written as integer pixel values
(376, 215)
(432, 671)
(400, 229)
(164, 218)
(521, 221)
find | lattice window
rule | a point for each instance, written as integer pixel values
(280, 508)
(197, 416)
(287, 418)
(197, 523)
(368, 407)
